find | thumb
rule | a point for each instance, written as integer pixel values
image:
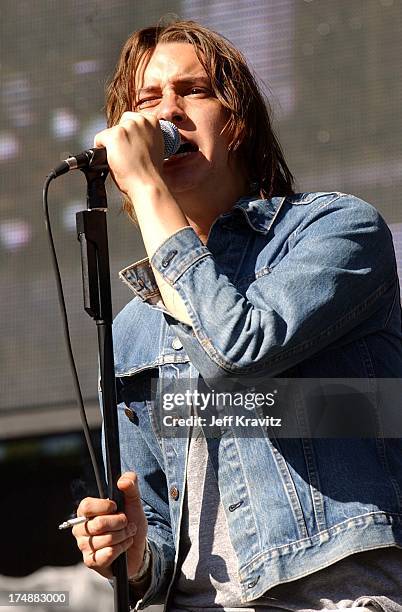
(128, 485)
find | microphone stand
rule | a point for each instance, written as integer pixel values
(92, 235)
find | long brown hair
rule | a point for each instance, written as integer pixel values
(249, 123)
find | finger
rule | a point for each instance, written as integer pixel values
(128, 484)
(138, 126)
(93, 543)
(102, 138)
(130, 115)
(103, 524)
(114, 135)
(141, 118)
(120, 134)
(93, 506)
(103, 558)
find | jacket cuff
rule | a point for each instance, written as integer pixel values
(161, 570)
(178, 253)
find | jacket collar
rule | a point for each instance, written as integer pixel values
(259, 213)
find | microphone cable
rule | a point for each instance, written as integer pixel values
(67, 338)
(95, 156)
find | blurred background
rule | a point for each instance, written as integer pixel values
(331, 71)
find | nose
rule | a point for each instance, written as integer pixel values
(171, 108)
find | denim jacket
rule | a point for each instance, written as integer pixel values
(300, 286)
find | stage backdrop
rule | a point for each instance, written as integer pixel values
(330, 70)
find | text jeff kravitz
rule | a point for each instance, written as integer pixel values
(223, 421)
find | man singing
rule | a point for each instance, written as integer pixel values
(244, 279)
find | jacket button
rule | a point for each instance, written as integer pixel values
(174, 493)
(176, 344)
(130, 414)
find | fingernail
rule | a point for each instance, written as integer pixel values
(132, 528)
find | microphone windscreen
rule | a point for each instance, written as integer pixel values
(171, 137)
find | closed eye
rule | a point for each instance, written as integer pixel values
(152, 101)
(148, 102)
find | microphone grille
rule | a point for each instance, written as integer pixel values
(171, 137)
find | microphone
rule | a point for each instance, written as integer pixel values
(97, 157)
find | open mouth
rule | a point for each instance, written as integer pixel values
(186, 148)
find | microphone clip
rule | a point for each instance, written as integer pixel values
(96, 191)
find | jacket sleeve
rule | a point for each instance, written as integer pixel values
(339, 263)
(137, 455)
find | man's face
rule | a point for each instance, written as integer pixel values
(175, 87)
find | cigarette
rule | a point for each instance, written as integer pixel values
(74, 521)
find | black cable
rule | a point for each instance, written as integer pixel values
(67, 339)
